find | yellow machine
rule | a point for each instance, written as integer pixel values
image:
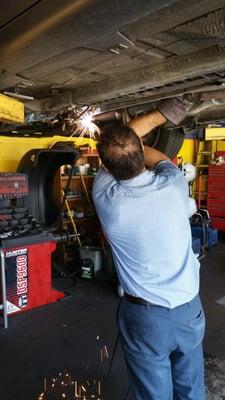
(13, 148)
(11, 110)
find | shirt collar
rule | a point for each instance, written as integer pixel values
(140, 179)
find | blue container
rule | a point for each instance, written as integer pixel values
(196, 245)
(211, 235)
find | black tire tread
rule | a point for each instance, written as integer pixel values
(169, 142)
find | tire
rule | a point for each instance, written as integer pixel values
(168, 142)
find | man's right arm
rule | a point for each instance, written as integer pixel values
(162, 165)
(173, 110)
(144, 124)
(152, 157)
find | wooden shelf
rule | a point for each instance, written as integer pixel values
(89, 155)
(74, 198)
(88, 226)
(78, 176)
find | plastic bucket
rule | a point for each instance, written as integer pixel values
(92, 253)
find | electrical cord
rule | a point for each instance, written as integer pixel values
(127, 394)
(63, 275)
(110, 369)
(106, 385)
(111, 364)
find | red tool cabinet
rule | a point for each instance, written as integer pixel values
(216, 196)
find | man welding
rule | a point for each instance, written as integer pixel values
(142, 202)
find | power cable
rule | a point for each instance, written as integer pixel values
(110, 370)
(127, 394)
(111, 364)
(106, 385)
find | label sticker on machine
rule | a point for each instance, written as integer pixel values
(16, 279)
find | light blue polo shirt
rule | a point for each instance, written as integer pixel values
(146, 221)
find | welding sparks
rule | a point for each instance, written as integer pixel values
(104, 353)
(77, 121)
(86, 126)
(99, 388)
(65, 387)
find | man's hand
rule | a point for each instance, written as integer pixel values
(152, 157)
(175, 110)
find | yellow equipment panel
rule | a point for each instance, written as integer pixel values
(187, 151)
(214, 133)
(11, 110)
(12, 149)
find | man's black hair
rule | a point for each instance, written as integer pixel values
(121, 151)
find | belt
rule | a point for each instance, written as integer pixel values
(137, 300)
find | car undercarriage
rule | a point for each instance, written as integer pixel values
(123, 56)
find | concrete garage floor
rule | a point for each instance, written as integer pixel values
(63, 336)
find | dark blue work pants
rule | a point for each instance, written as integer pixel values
(163, 350)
